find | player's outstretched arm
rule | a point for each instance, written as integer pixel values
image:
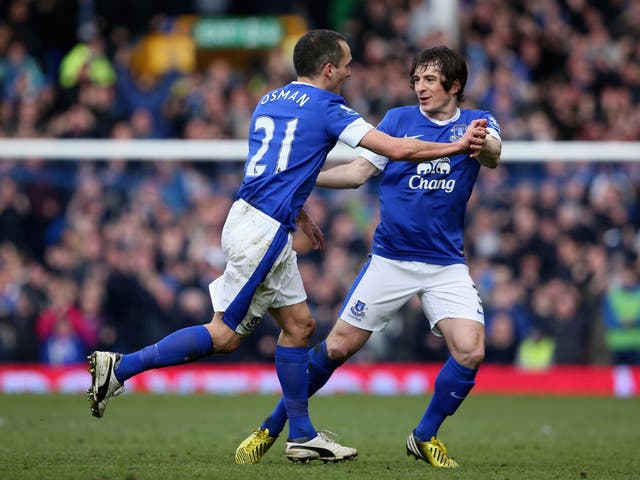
(347, 175)
(416, 150)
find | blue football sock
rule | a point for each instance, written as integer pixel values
(452, 385)
(320, 369)
(292, 366)
(182, 346)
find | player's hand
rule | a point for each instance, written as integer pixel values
(313, 233)
(475, 135)
(478, 122)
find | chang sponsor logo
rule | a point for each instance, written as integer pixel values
(422, 181)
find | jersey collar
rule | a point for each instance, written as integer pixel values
(298, 82)
(441, 122)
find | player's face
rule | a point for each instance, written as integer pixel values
(433, 99)
(342, 71)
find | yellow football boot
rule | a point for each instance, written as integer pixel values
(433, 452)
(253, 448)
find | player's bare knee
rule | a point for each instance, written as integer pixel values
(224, 339)
(227, 343)
(307, 328)
(476, 357)
(338, 349)
(344, 340)
(471, 358)
(300, 329)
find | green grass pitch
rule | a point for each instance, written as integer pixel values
(194, 437)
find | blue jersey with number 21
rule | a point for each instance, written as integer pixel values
(292, 130)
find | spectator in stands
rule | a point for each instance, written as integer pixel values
(66, 333)
(87, 64)
(569, 322)
(10, 278)
(507, 320)
(20, 75)
(621, 315)
(145, 93)
(23, 27)
(502, 342)
(14, 211)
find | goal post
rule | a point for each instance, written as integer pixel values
(236, 150)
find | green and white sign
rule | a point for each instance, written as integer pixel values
(238, 32)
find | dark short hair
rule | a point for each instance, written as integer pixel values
(451, 65)
(315, 49)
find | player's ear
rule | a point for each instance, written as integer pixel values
(327, 70)
(455, 88)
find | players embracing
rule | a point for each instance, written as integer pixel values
(417, 250)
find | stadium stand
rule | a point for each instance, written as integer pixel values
(115, 254)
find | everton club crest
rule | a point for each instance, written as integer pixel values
(359, 310)
(457, 132)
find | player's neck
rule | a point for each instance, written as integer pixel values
(310, 80)
(318, 81)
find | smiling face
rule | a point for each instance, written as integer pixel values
(434, 100)
(438, 76)
(341, 71)
(323, 58)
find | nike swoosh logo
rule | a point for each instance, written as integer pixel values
(102, 389)
(412, 136)
(479, 312)
(455, 395)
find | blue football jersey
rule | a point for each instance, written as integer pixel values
(423, 205)
(292, 130)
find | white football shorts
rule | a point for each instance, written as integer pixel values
(261, 271)
(383, 286)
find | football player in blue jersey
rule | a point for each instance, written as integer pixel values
(416, 252)
(292, 130)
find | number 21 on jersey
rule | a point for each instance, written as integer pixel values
(267, 156)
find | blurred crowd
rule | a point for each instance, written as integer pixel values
(116, 254)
